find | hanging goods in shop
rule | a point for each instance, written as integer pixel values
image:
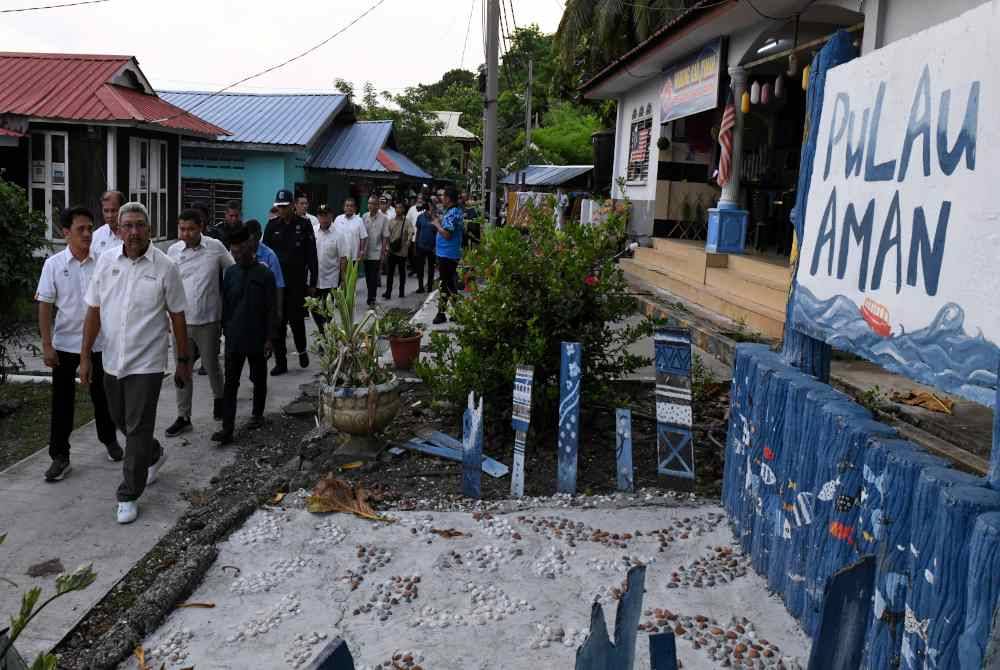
(779, 87)
(745, 103)
(765, 94)
(755, 93)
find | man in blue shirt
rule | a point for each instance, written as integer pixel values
(450, 230)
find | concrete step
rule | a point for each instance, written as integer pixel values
(757, 266)
(687, 266)
(762, 319)
(760, 290)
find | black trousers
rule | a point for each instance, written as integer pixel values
(397, 265)
(426, 259)
(234, 370)
(64, 403)
(293, 314)
(132, 401)
(448, 269)
(318, 318)
(372, 279)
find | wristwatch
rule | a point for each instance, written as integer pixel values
(183, 359)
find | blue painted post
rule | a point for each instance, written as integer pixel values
(926, 500)
(738, 435)
(674, 443)
(953, 526)
(662, 651)
(893, 578)
(623, 450)
(994, 474)
(983, 594)
(751, 505)
(520, 420)
(847, 600)
(472, 449)
(570, 372)
(334, 656)
(598, 652)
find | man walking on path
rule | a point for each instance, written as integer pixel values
(332, 252)
(249, 311)
(352, 227)
(376, 226)
(201, 261)
(412, 214)
(398, 246)
(449, 250)
(293, 239)
(106, 237)
(426, 242)
(130, 297)
(302, 209)
(220, 231)
(64, 281)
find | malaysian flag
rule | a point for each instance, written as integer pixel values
(726, 140)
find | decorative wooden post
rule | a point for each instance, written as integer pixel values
(598, 652)
(983, 593)
(472, 448)
(662, 651)
(847, 601)
(675, 448)
(521, 417)
(569, 415)
(994, 474)
(623, 450)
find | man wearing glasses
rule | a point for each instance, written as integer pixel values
(134, 299)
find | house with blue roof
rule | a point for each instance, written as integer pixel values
(311, 143)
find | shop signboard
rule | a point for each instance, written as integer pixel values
(901, 237)
(691, 85)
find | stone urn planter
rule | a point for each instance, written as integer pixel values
(347, 409)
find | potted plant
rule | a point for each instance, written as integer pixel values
(404, 338)
(358, 395)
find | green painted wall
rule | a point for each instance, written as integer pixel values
(262, 174)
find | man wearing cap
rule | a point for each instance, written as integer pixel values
(332, 253)
(293, 240)
(106, 237)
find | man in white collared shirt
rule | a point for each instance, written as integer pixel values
(332, 254)
(201, 261)
(135, 298)
(302, 209)
(351, 226)
(106, 237)
(64, 281)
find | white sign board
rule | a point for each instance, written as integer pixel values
(900, 261)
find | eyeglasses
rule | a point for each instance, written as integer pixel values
(135, 225)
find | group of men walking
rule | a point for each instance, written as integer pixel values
(110, 300)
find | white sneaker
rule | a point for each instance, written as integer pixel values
(128, 511)
(154, 469)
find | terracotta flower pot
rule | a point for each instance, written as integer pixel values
(347, 409)
(405, 350)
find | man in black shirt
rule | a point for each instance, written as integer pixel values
(292, 239)
(249, 310)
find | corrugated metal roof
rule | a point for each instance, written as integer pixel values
(546, 175)
(406, 166)
(78, 87)
(263, 119)
(451, 128)
(352, 147)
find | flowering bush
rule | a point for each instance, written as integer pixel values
(537, 287)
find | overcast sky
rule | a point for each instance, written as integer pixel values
(207, 44)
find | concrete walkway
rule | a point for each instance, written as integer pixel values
(74, 520)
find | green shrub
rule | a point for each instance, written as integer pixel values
(533, 289)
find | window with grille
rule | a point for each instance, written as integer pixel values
(213, 192)
(638, 151)
(148, 180)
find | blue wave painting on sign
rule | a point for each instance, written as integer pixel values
(942, 354)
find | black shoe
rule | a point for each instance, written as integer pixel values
(115, 453)
(255, 422)
(279, 369)
(371, 303)
(420, 289)
(439, 319)
(181, 425)
(57, 470)
(202, 371)
(402, 295)
(386, 296)
(303, 360)
(222, 437)
(217, 409)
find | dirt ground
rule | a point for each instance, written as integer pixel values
(25, 430)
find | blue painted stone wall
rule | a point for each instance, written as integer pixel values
(812, 484)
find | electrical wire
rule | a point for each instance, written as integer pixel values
(777, 18)
(67, 4)
(512, 19)
(468, 29)
(275, 67)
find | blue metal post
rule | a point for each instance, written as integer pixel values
(623, 450)
(569, 415)
(674, 443)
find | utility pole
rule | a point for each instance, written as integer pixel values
(490, 129)
(527, 112)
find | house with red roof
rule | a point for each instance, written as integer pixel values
(73, 126)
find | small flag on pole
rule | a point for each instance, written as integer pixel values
(726, 140)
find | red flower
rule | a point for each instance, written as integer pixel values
(590, 280)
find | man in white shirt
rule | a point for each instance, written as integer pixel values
(377, 227)
(332, 254)
(135, 298)
(412, 214)
(106, 237)
(352, 227)
(201, 261)
(385, 206)
(64, 281)
(302, 209)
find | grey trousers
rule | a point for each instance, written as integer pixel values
(132, 404)
(206, 338)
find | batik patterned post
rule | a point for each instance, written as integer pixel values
(675, 448)
(520, 419)
(623, 450)
(472, 448)
(569, 415)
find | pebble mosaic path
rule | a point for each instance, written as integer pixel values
(490, 585)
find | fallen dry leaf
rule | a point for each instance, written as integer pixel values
(352, 465)
(447, 533)
(205, 606)
(140, 656)
(278, 497)
(335, 495)
(930, 401)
